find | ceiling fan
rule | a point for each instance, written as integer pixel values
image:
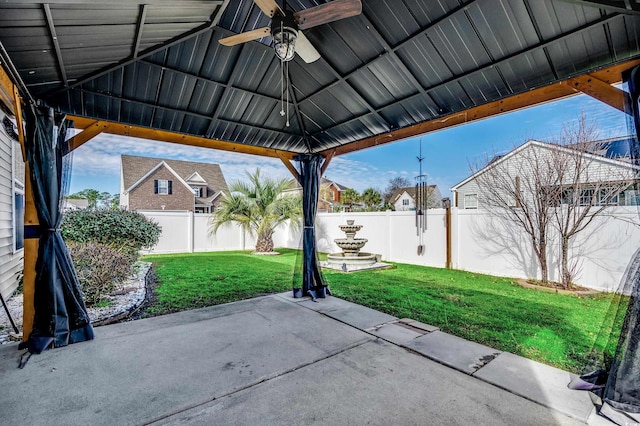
(286, 27)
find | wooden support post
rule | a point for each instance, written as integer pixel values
(30, 258)
(30, 218)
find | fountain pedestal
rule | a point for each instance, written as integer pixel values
(351, 259)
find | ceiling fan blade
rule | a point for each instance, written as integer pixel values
(245, 37)
(269, 7)
(305, 49)
(328, 12)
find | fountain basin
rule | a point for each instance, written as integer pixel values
(350, 245)
(337, 260)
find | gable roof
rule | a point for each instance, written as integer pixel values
(195, 178)
(152, 171)
(545, 145)
(326, 181)
(135, 168)
(411, 190)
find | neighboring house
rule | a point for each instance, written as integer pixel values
(74, 204)
(12, 207)
(403, 199)
(613, 168)
(157, 184)
(330, 197)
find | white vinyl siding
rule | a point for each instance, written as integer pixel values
(10, 258)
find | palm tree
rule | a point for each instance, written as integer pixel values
(259, 207)
(371, 198)
(349, 197)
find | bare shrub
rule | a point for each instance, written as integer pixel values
(101, 268)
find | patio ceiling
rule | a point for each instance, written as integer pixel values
(401, 68)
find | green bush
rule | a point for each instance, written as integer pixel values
(100, 268)
(122, 229)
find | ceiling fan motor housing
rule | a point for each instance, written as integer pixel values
(284, 31)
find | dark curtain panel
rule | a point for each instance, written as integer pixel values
(622, 390)
(60, 314)
(312, 282)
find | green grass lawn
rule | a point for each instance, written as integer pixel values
(560, 330)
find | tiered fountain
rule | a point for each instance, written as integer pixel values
(351, 258)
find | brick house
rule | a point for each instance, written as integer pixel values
(159, 184)
(329, 197)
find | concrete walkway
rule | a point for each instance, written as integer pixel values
(277, 360)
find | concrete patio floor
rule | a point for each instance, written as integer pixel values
(277, 360)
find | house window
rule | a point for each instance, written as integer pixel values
(405, 202)
(471, 201)
(18, 219)
(162, 187)
(197, 191)
(608, 196)
(586, 197)
(632, 197)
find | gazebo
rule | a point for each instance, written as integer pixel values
(205, 73)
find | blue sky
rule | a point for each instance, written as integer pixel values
(448, 153)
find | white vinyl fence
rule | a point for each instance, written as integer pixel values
(479, 242)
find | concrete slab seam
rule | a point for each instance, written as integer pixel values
(267, 378)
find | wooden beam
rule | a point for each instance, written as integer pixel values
(552, 92)
(327, 159)
(292, 169)
(600, 90)
(114, 128)
(6, 91)
(20, 124)
(86, 135)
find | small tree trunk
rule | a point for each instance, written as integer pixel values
(566, 273)
(265, 242)
(542, 259)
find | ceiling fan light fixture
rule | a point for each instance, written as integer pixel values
(284, 32)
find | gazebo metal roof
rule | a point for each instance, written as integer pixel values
(401, 68)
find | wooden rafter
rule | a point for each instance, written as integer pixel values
(86, 135)
(600, 90)
(179, 138)
(327, 159)
(552, 92)
(290, 167)
(6, 91)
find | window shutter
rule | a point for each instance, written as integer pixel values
(170, 192)
(155, 186)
